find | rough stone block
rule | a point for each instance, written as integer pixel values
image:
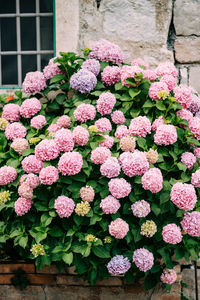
(194, 78)
(184, 76)
(9, 268)
(187, 50)
(40, 279)
(50, 270)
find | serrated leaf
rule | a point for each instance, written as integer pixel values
(57, 78)
(101, 252)
(68, 258)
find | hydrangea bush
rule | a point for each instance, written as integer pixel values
(100, 168)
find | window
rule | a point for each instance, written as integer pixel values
(26, 38)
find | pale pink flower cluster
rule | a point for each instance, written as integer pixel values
(110, 205)
(25, 191)
(118, 117)
(150, 75)
(34, 82)
(134, 164)
(19, 145)
(170, 81)
(185, 114)
(152, 156)
(38, 122)
(11, 112)
(139, 62)
(140, 126)
(70, 163)
(107, 51)
(64, 140)
(87, 193)
(64, 122)
(80, 135)
(108, 142)
(159, 121)
(188, 159)
(14, 131)
(130, 71)
(99, 155)
(103, 124)
(171, 234)
(110, 168)
(196, 178)
(64, 206)
(167, 68)
(48, 175)
(118, 228)
(168, 276)
(22, 206)
(31, 164)
(127, 143)
(110, 75)
(121, 131)
(7, 175)
(105, 103)
(194, 126)
(30, 107)
(119, 187)
(165, 135)
(143, 259)
(191, 223)
(183, 195)
(31, 179)
(52, 129)
(52, 69)
(183, 95)
(47, 150)
(92, 65)
(141, 208)
(157, 87)
(197, 152)
(152, 180)
(84, 112)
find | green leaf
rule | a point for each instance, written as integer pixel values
(101, 252)
(57, 78)
(160, 105)
(133, 92)
(194, 254)
(166, 257)
(13, 163)
(19, 94)
(27, 152)
(54, 105)
(23, 241)
(156, 209)
(60, 98)
(46, 219)
(181, 166)
(193, 141)
(150, 281)
(180, 252)
(164, 197)
(142, 143)
(56, 231)
(93, 276)
(118, 86)
(148, 104)
(68, 258)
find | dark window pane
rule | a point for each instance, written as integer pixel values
(46, 33)
(28, 33)
(9, 69)
(27, 6)
(8, 7)
(45, 59)
(29, 64)
(46, 6)
(8, 34)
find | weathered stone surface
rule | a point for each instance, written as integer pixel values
(184, 76)
(187, 50)
(8, 268)
(162, 294)
(188, 278)
(186, 17)
(194, 77)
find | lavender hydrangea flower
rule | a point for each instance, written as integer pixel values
(83, 81)
(92, 65)
(118, 265)
(195, 104)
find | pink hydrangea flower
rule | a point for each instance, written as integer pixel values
(103, 124)
(194, 126)
(188, 159)
(141, 208)
(25, 191)
(64, 206)
(165, 135)
(19, 145)
(140, 126)
(87, 193)
(119, 187)
(31, 164)
(84, 112)
(52, 69)
(92, 65)
(64, 122)
(121, 131)
(139, 62)
(159, 121)
(183, 195)
(105, 103)
(196, 179)
(168, 276)
(134, 164)
(195, 104)
(130, 71)
(152, 180)
(110, 168)
(31, 179)
(30, 107)
(53, 128)
(118, 228)
(34, 82)
(118, 117)
(127, 143)
(170, 81)
(80, 135)
(143, 259)
(7, 175)
(22, 206)
(171, 234)
(14, 131)
(48, 175)
(197, 152)
(110, 75)
(150, 75)
(191, 223)
(11, 112)
(185, 114)
(110, 205)
(38, 122)
(47, 150)
(64, 140)
(166, 68)
(157, 87)
(183, 95)
(99, 155)
(70, 163)
(108, 142)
